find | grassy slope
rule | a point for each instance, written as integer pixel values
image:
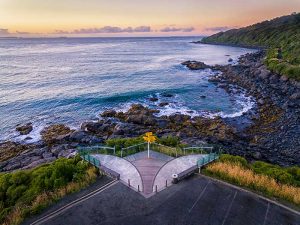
(281, 36)
(267, 179)
(25, 193)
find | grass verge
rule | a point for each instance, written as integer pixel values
(244, 175)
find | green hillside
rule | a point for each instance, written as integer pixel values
(281, 36)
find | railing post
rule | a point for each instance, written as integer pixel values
(121, 153)
(166, 183)
(138, 188)
(156, 188)
(129, 182)
(94, 160)
(114, 150)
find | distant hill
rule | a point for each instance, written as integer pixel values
(281, 36)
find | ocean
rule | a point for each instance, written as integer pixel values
(71, 80)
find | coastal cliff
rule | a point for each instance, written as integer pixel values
(280, 36)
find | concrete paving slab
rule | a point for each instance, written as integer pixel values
(148, 169)
(126, 169)
(174, 166)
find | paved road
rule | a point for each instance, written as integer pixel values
(196, 201)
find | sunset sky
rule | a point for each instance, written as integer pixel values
(134, 17)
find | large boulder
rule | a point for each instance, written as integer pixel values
(55, 134)
(109, 113)
(138, 114)
(10, 149)
(84, 137)
(69, 153)
(39, 162)
(195, 65)
(24, 129)
(92, 127)
(25, 158)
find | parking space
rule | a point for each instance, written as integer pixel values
(197, 200)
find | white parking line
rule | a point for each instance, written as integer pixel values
(267, 212)
(229, 208)
(71, 204)
(201, 194)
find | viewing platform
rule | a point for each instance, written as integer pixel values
(148, 171)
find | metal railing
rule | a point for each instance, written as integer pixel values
(133, 149)
(207, 159)
(92, 160)
(167, 150)
(198, 150)
(96, 149)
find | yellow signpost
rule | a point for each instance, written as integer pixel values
(149, 137)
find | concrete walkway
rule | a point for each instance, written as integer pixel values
(153, 155)
(175, 166)
(126, 169)
(148, 168)
(145, 174)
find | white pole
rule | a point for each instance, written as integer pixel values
(148, 149)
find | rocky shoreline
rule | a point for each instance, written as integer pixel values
(271, 130)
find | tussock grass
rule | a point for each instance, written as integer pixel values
(237, 174)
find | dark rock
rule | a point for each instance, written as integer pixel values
(68, 153)
(84, 138)
(264, 74)
(39, 162)
(24, 129)
(230, 60)
(195, 65)
(109, 113)
(58, 148)
(295, 96)
(163, 104)
(10, 149)
(55, 134)
(154, 99)
(179, 118)
(92, 127)
(167, 95)
(47, 155)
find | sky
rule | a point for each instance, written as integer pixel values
(135, 17)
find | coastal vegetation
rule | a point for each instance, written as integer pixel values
(119, 143)
(268, 179)
(25, 193)
(281, 37)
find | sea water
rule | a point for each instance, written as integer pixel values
(70, 80)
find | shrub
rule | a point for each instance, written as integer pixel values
(290, 175)
(123, 142)
(24, 193)
(234, 159)
(169, 141)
